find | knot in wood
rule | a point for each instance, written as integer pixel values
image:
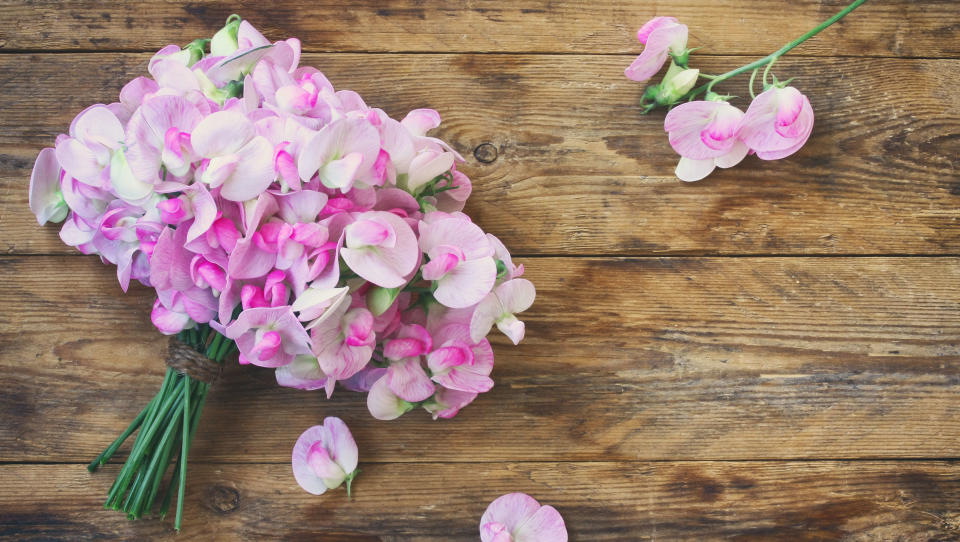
(222, 499)
(189, 362)
(485, 153)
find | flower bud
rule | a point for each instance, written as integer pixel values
(224, 42)
(379, 299)
(676, 83)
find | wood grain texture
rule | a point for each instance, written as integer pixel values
(674, 358)
(805, 389)
(578, 171)
(754, 27)
(748, 501)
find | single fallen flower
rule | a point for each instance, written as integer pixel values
(325, 457)
(518, 517)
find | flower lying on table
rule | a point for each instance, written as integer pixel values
(325, 457)
(294, 223)
(712, 133)
(518, 517)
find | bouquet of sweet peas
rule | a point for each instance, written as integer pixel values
(288, 221)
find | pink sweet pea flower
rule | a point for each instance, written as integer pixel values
(341, 152)
(518, 517)
(237, 160)
(661, 36)
(86, 154)
(302, 373)
(500, 307)
(777, 123)
(381, 248)
(460, 363)
(502, 254)
(446, 403)
(46, 198)
(705, 134)
(405, 376)
(383, 404)
(344, 343)
(268, 336)
(461, 260)
(325, 456)
(158, 134)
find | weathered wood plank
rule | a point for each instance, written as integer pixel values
(673, 358)
(599, 501)
(892, 28)
(578, 171)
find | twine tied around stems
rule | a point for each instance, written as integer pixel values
(185, 360)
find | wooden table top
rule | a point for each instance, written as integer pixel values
(770, 354)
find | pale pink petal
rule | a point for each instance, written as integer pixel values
(516, 295)
(510, 510)
(340, 173)
(324, 466)
(249, 37)
(204, 211)
(386, 267)
(341, 444)
(308, 480)
(447, 403)
(693, 170)
(464, 378)
(302, 373)
(654, 24)
(79, 161)
(733, 157)
(383, 404)
(247, 261)
(420, 121)
(467, 284)
(254, 172)
(426, 166)
(221, 133)
(166, 321)
(408, 380)
(546, 525)
(700, 129)
(97, 124)
(172, 74)
(46, 200)
(133, 93)
(660, 42)
(126, 185)
(511, 327)
(458, 232)
(486, 313)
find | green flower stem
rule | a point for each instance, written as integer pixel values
(112, 449)
(165, 430)
(119, 485)
(775, 55)
(222, 351)
(185, 441)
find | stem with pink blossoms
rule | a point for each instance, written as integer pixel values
(772, 57)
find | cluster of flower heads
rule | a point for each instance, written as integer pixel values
(712, 133)
(323, 236)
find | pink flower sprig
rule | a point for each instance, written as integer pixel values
(712, 133)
